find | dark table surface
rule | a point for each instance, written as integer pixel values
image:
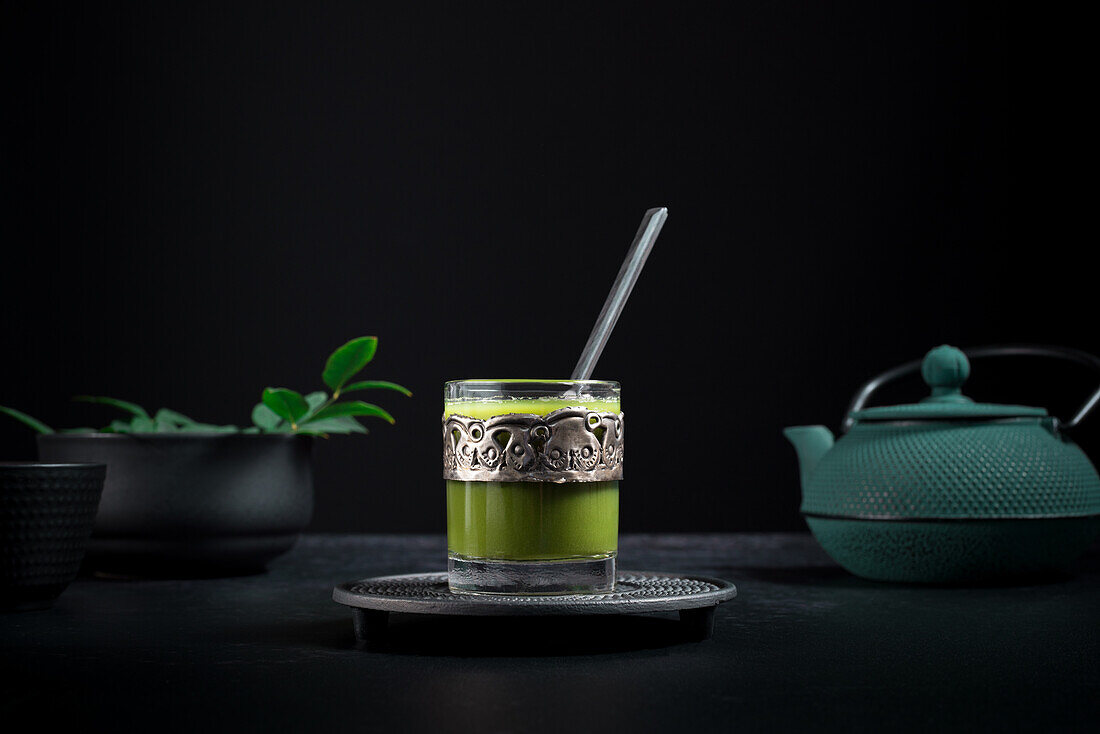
(803, 645)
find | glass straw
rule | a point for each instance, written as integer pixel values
(648, 230)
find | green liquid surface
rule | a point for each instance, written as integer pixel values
(530, 521)
(538, 406)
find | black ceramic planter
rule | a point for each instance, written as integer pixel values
(46, 514)
(193, 504)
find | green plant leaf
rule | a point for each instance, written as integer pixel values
(118, 426)
(339, 424)
(136, 410)
(346, 361)
(164, 415)
(251, 430)
(80, 430)
(265, 418)
(351, 407)
(314, 400)
(208, 428)
(26, 420)
(377, 385)
(287, 404)
(142, 425)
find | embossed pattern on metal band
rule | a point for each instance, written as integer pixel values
(567, 445)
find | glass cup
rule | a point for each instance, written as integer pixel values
(532, 470)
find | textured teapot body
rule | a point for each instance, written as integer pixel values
(922, 470)
(947, 490)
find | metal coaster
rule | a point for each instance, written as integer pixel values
(694, 597)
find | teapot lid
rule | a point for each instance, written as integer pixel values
(945, 369)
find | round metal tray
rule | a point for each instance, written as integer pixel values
(694, 597)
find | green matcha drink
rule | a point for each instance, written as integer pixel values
(532, 471)
(532, 521)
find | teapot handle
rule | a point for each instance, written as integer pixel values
(999, 350)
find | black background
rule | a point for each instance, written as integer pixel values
(204, 199)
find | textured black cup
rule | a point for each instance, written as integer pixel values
(46, 516)
(192, 505)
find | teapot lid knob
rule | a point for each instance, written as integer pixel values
(945, 369)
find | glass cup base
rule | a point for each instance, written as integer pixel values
(587, 575)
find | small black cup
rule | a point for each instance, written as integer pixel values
(46, 516)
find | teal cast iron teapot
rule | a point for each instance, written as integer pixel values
(948, 490)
